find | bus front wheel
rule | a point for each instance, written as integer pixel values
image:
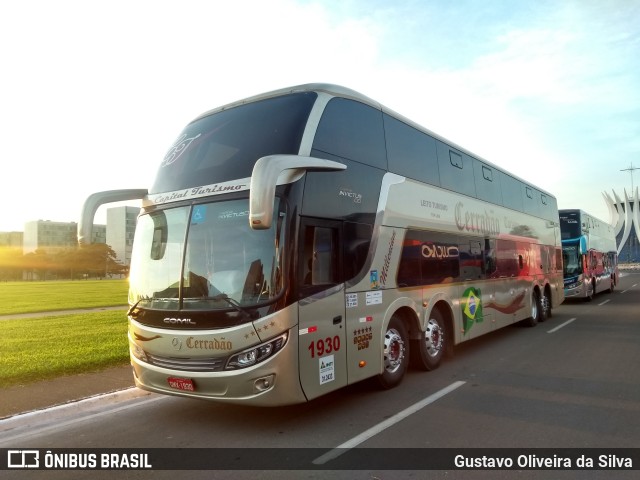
(591, 292)
(427, 352)
(395, 353)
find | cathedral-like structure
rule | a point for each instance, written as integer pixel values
(625, 218)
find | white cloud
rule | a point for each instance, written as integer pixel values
(103, 88)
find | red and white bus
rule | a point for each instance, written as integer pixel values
(589, 255)
(309, 238)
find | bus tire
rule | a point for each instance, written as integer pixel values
(591, 292)
(428, 351)
(537, 311)
(395, 354)
(546, 306)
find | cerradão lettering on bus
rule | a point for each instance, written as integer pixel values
(476, 222)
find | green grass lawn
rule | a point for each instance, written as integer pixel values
(28, 297)
(45, 347)
(42, 348)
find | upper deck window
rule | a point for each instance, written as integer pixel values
(225, 145)
(352, 130)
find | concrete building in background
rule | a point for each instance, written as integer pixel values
(11, 239)
(121, 227)
(625, 218)
(50, 236)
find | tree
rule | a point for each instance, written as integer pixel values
(11, 263)
(97, 260)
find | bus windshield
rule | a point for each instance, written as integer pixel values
(206, 257)
(225, 145)
(571, 260)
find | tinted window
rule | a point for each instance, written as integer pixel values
(511, 193)
(411, 152)
(319, 266)
(532, 201)
(471, 259)
(225, 145)
(507, 259)
(456, 170)
(428, 258)
(350, 129)
(357, 238)
(487, 184)
(570, 224)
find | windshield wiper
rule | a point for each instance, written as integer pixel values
(235, 304)
(132, 312)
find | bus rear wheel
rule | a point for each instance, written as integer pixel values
(428, 351)
(395, 354)
(537, 310)
(546, 306)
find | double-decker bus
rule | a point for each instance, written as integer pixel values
(589, 254)
(309, 238)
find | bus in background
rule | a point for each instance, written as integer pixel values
(309, 238)
(589, 254)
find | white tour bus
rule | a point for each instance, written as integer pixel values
(308, 238)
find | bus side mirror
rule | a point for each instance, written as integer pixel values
(93, 201)
(274, 170)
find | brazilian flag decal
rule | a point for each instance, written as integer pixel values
(471, 307)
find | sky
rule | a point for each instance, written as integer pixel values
(93, 93)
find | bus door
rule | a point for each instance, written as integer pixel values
(321, 341)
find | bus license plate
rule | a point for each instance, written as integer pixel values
(181, 384)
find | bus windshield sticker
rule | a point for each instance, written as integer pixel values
(199, 214)
(327, 369)
(177, 149)
(471, 308)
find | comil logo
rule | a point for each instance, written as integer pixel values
(23, 459)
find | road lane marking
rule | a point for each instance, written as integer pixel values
(39, 422)
(357, 440)
(561, 325)
(606, 301)
(632, 286)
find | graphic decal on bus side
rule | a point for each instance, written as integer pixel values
(471, 308)
(373, 279)
(387, 261)
(510, 308)
(362, 336)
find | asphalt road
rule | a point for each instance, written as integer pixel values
(571, 382)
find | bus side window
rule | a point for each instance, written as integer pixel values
(320, 256)
(357, 239)
(471, 259)
(489, 257)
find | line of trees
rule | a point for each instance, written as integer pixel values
(92, 261)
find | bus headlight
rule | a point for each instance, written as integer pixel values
(256, 354)
(139, 353)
